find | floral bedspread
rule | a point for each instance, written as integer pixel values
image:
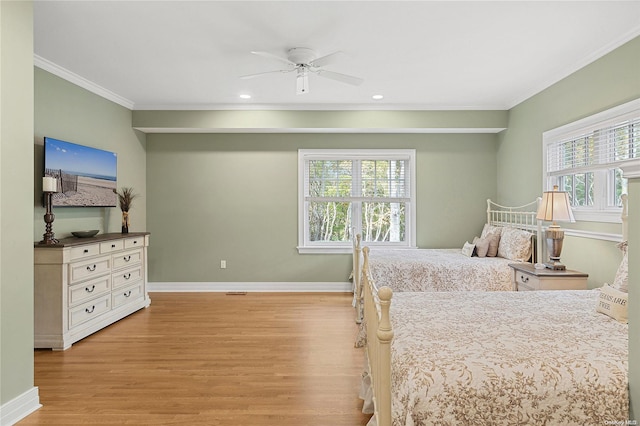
(507, 358)
(438, 270)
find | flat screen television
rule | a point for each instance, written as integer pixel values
(86, 176)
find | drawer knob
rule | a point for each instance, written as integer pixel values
(86, 250)
(127, 258)
(91, 268)
(90, 290)
(126, 277)
(90, 311)
(135, 242)
(524, 279)
(113, 246)
(127, 294)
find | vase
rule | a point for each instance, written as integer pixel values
(125, 222)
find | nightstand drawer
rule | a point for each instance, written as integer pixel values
(526, 281)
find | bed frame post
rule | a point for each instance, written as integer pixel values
(540, 240)
(357, 276)
(489, 210)
(377, 324)
(625, 217)
(385, 335)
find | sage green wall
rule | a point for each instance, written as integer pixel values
(16, 183)
(234, 197)
(68, 112)
(612, 80)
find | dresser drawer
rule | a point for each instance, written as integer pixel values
(84, 251)
(82, 292)
(111, 246)
(126, 295)
(87, 311)
(127, 258)
(80, 271)
(127, 276)
(134, 242)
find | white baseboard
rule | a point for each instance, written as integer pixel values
(293, 287)
(20, 407)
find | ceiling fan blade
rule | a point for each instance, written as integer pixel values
(248, 76)
(272, 56)
(326, 59)
(344, 78)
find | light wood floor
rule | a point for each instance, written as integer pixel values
(211, 359)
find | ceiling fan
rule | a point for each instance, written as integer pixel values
(304, 61)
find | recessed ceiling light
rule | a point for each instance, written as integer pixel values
(245, 96)
(377, 97)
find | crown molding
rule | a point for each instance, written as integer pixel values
(71, 77)
(565, 72)
(403, 130)
(316, 107)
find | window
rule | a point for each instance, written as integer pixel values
(347, 192)
(583, 158)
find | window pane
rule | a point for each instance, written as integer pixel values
(580, 188)
(620, 187)
(330, 178)
(329, 221)
(383, 222)
(383, 178)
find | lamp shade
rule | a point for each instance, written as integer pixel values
(555, 206)
(49, 184)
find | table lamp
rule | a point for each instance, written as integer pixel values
(555, 207)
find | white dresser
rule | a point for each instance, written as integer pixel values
(84, 284)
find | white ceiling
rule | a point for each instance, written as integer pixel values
(418, 54)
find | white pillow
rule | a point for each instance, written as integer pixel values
(515, 244)
(468, 248)
(621, 281)
(492, 233)
(613, 303)
(482, 246)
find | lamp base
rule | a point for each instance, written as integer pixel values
(555, 265)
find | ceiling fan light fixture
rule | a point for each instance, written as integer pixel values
(302, 82)
(245, 96)
(377, 97)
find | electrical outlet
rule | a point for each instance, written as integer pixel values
(223, 264)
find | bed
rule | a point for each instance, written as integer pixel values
(499, 358)
(451, 269)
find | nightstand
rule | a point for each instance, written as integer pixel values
(526, 278)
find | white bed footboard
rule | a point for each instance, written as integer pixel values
(379, 335)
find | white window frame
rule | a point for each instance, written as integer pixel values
(306, 246)
(601, 211)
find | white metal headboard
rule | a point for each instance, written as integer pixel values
(520, 217)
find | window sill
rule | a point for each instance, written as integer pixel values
(598, 216)
(325, 250)
(347, 250)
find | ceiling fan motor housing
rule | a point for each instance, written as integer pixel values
(301, 55)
